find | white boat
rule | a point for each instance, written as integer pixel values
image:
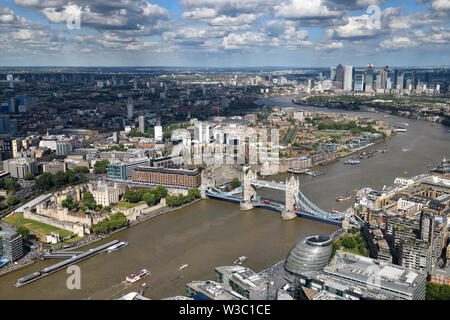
(240, 260)
(136, 277)
(183, 266)
(117, 246)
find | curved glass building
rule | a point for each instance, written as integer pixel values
(311, 253)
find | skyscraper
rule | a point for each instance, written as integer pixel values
(142, 123)
(399, 83)
(5, 125)
(348, 78)
(377, 82)
(359, 82)
(369, 77)
(384, 76)
(339, 78)
(332, 73)
(12, 105)
(130, 109)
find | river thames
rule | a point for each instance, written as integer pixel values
(212, 233)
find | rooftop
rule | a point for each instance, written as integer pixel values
(362, 269)
(245, 276)
(7, 232)
(167, 170)
(214, 290)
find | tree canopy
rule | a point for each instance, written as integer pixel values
(114, 221)
(24, 232)
(100, 167)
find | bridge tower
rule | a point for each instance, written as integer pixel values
(203, 185)
(292, 187)
(347, 215)
(249, 192)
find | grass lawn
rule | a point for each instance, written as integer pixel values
(35, 226)
(331, 134)
(128, 205)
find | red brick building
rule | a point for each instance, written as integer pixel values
(166, 176)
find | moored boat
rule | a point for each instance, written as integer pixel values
(240, 260)
(116, 247)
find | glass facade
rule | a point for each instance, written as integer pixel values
(116, 171)
(311, 253)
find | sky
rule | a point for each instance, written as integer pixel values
(224, 33)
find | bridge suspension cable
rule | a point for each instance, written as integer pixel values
(317, 210)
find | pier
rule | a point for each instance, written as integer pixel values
(61, 265)
(61, 255)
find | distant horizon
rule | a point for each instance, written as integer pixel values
(217, 67)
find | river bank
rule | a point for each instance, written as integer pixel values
(90, 241)
(404, 113)
(134, 223)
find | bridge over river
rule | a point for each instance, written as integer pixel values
(295, 204)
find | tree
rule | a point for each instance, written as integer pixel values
(437, 292)
(28, 176)
(100, 167)
(131, 196)
(195, 192)
(115, 221)
(235, 183)
(349, 242)
(45, 181)
(12, 201)
(81, 169)
(11, 185)
(334, 248)
(149, 198)
(88, 197)
(24, 232)
(60, 179)
(162, 191)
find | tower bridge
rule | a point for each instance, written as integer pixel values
(295, 202)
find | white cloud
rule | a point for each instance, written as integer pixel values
(329, 46)
(398, 43)
(299, 9)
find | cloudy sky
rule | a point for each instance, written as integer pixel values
(225, 33)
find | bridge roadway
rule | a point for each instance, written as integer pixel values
(269, 184)
(273, 205)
